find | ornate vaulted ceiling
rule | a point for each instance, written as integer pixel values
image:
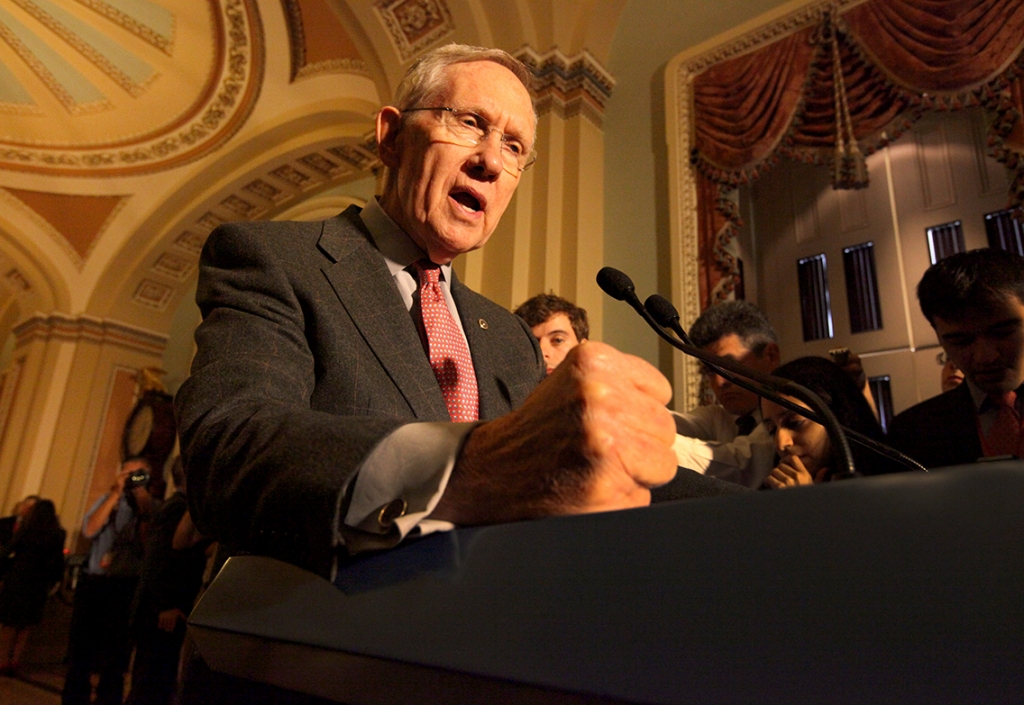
(130, 128)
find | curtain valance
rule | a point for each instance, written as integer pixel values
(834, 92)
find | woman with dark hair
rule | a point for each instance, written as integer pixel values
(36, 556)
(806, 455)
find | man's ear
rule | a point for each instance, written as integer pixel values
(388, 129)
(771, 355)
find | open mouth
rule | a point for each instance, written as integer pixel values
(468, 201)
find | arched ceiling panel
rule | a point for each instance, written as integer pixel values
(104, 87)
(27, 278)
(78, 220)
(275, 170)
(320, 42)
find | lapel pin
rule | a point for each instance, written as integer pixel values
(483, 323)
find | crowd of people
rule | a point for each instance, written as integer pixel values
(974, 301)
(142, 575)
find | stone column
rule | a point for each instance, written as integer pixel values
(64, 402)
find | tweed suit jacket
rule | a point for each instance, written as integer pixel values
(939, 431)
(306, 358)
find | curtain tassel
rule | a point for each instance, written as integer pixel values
(849, 167)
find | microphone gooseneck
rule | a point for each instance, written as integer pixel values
(660, 313)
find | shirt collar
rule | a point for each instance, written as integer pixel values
(398, 248)
(982, 402)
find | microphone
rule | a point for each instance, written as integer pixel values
(616, 284)
(660, 313)
(666, 315)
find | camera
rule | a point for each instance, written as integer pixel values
(139, 477)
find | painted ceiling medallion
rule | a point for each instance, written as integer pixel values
(113, 87)
(415, 25)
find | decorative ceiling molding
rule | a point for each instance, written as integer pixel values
(279, 187)
(75, 221)
(414, 25)
(153, 294)
(146, 20)
(785, 25)
(319, 41)
(58, 326)
(18, 284)
(127, 70)
(75, 92)
(569, 86)
(219, 107)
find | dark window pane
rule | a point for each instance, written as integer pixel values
(1004, 233)
(945, 240)
(815, 308)
(862, 288)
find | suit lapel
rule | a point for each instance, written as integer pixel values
(364, 285)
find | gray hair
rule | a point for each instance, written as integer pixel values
(741, 318)
(425, 78)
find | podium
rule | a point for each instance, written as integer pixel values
(893, 589)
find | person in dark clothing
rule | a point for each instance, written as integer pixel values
(975, 302)
(100, 638)
(36, 562)
(172, 574)
(805, 454)
(8, 525)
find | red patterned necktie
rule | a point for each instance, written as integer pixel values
(449, 354)
(1004, 438)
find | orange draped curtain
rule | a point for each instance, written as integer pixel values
(844, 88)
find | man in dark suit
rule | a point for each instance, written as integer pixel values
(317, 421)
(975, 302)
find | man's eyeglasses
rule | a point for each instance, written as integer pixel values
(471, 129)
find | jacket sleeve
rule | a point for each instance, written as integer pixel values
(265, 468)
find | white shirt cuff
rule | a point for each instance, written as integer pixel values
(400, 483)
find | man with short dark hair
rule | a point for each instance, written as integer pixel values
(727, 440)
(558, 324)
(740, 331)
(975, 302)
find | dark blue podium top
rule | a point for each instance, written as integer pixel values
(901, 588)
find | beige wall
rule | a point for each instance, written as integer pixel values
(936, 173)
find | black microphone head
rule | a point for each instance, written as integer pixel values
(616, 284)
(662, 310)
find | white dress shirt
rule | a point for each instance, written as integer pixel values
(707, 442)
(413, 463)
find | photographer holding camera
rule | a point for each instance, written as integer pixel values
(100, 639)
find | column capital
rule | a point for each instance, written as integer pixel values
(60, 326)
(568, 85)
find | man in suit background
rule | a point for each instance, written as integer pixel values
(317, 422)
(975, 302)
(740, 449)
